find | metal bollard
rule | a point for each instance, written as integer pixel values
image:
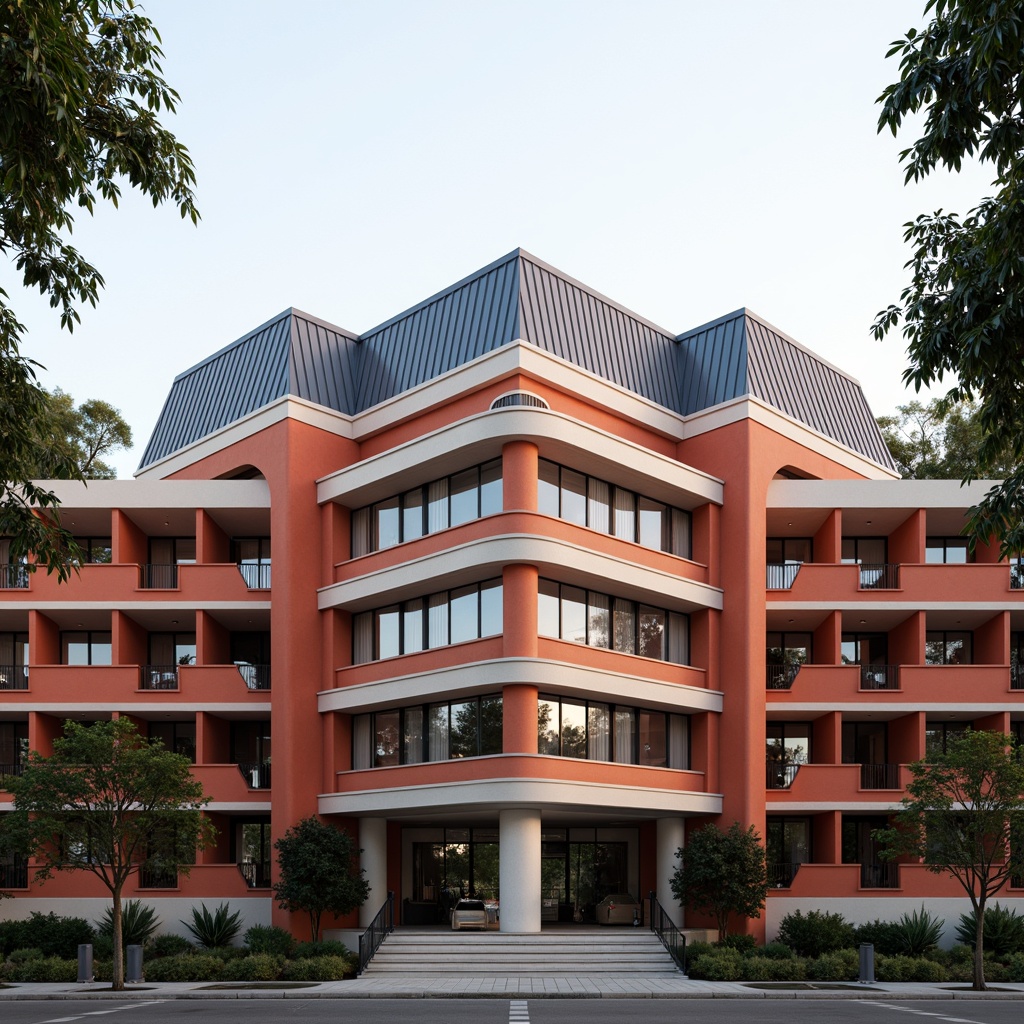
(867, 963)
(85, 963)
(134, 970)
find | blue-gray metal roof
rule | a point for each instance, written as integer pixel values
(516, 298)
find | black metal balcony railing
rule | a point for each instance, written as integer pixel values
(879, 876)
(13, 677)
(256, 576)
(879, 677)
(780, 774)
(780, 575)
(1017, 577)
(14, 577)
(780, 876)
(1017, 677)
(159, 677)
(256, 875)
(14, 874)
(159, 577)
(879, 577)
(10, 769)
(154, 877)
(780, 677)
(879, 776)
(255, 773)
(256, 677)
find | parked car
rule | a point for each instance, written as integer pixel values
(619, 908)
(469, 914)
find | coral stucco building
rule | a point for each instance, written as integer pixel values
(518, 587)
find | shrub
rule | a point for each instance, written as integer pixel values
(307, 950)
(48, 969)
(55, 936)
(838, 965)
(698, 948)
(168, 945)
(815, 933)
(918, 932)
(255, 967)
(20, 956)
(763, 968)
(883, 935)
(216, 929)
(185, 967)
(263, 939)
(138, 923)
(775, 951)
(318, 968)
(1015, 968)
(1004, 931)
(718, 965)
(744, 943)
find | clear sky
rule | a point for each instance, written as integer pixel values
(684, 157)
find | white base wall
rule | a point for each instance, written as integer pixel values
(883, 908)
(170, 911)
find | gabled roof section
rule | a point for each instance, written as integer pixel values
(293, 354)
(740, 354)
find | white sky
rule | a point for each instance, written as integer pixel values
(685, 158)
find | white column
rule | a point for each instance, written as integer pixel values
(671, 837)
(373, 841)
(519, 839)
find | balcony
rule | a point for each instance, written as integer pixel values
(879, 577)
(154, 877)
(13, 677)
(880, 876)
(255, 773)
(7, 770)
(255, 677)
(256, 875)
(14, 874)
(780, 677)
(880, 776)
(14, 577)
(158, 677)
(780, 774)
(879, 677)
(256, 576)
(780, 876)
(158, 577)
(780, 575)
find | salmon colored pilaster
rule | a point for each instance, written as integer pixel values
(42, 731)
(43, 639)
(906, 641)
(998, 722)
(906, 738)
(336, 527)
(987, 554)
(213, 547)
(828, 541)
(213, 641)
(827, 638)
(203, 742)
(992, 641)
(519, 719)
(705, 540)
(519, 601)
(907, 541)
(827, 838)
(128, 543)
(129, 640)
(519, 476)
(648, 836)
(827, 737)
(700, 639)
(337, 729)
(704, 729)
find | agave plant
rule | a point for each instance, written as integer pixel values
(918, 932)
(1004, 930)
(138, 923)
(214, 930)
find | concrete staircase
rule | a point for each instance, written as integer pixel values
(594, 953)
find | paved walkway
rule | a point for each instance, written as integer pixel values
(509, 988)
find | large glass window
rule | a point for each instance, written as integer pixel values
(787, 846)
(450, 501)
(13, 661)
(13, 748)
(949, 550)
(95, 550)
(588, 501)
(784, 556)
(784, 654)
(938, 734)
(599, 620)
(449, 617)
(597, 731)
(788, 747)
(948, 647)
(252, 556)
(427, 732)
(86, 647)
(177, 737)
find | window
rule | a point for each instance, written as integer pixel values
(587, 501)
(450, 501)
(95, 550)
(13, 748)
(598, 620)
(87, 647)
(251, 850)
(598, 731)
(938, 734)
(865, 550)
(865, 742)
(252, 556)
(784, 556)
(784, 654)
(165, 555)
(861, 847)
(13, 661)
(448, 617)
(787, 846)
(948, 647)
(427, 732)
(177, 737)
(788, 747)
(250, 742)
(871, 652)
(948, 550)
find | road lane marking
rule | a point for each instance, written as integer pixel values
(100, 1013)
(518, 1012)
(924, 1013)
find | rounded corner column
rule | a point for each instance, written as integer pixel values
(519, 871)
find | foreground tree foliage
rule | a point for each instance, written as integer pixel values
(107, 801)
(83, 434)
(960, 814)
(318, 872)
(81, 91)
(963, 312)
(722, 873)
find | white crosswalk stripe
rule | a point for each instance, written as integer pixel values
(518, 1012)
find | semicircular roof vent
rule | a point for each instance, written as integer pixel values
(514, 398)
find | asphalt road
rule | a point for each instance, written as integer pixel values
(503, 1011)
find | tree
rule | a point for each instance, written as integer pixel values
(722, 873)
(959, 815)
(107, 801)
(81, 90)
(85, 434)
(318, 872)
(962, 314)
(938, 441)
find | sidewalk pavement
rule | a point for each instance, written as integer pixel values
(510, 988)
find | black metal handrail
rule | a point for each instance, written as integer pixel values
(879, 677)
(255, 873)
(666, 929)
(13, 677)
(780, 677)
(779, 774)
(159, 677)
(256, 677)
(879, 776)
(780, 876)
(159, 577)
(14, 577)
(884, 576)
(780, 575)
(255, 773)
(880, 876)
(1017, 576)
(14, 874)
(1017, 677)
(256, 575)
(380, 928)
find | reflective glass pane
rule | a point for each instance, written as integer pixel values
(413, 739)
(491, 623)
(574, 729)
(651, 633)
(387, 748)
(624, 626)
(599, 513)
(547, 726)
(464, 604)
(599, 617)
(574, 615)
(463, 736)
(490, 725)
(412, 624)
(386, 517)
(547, 609)
(412, 514)
(490, 488)
(574, 497)
(465, 496)
(625, 514)
(653, 524)
(653, 739)
(388, 632)
(547, 488)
